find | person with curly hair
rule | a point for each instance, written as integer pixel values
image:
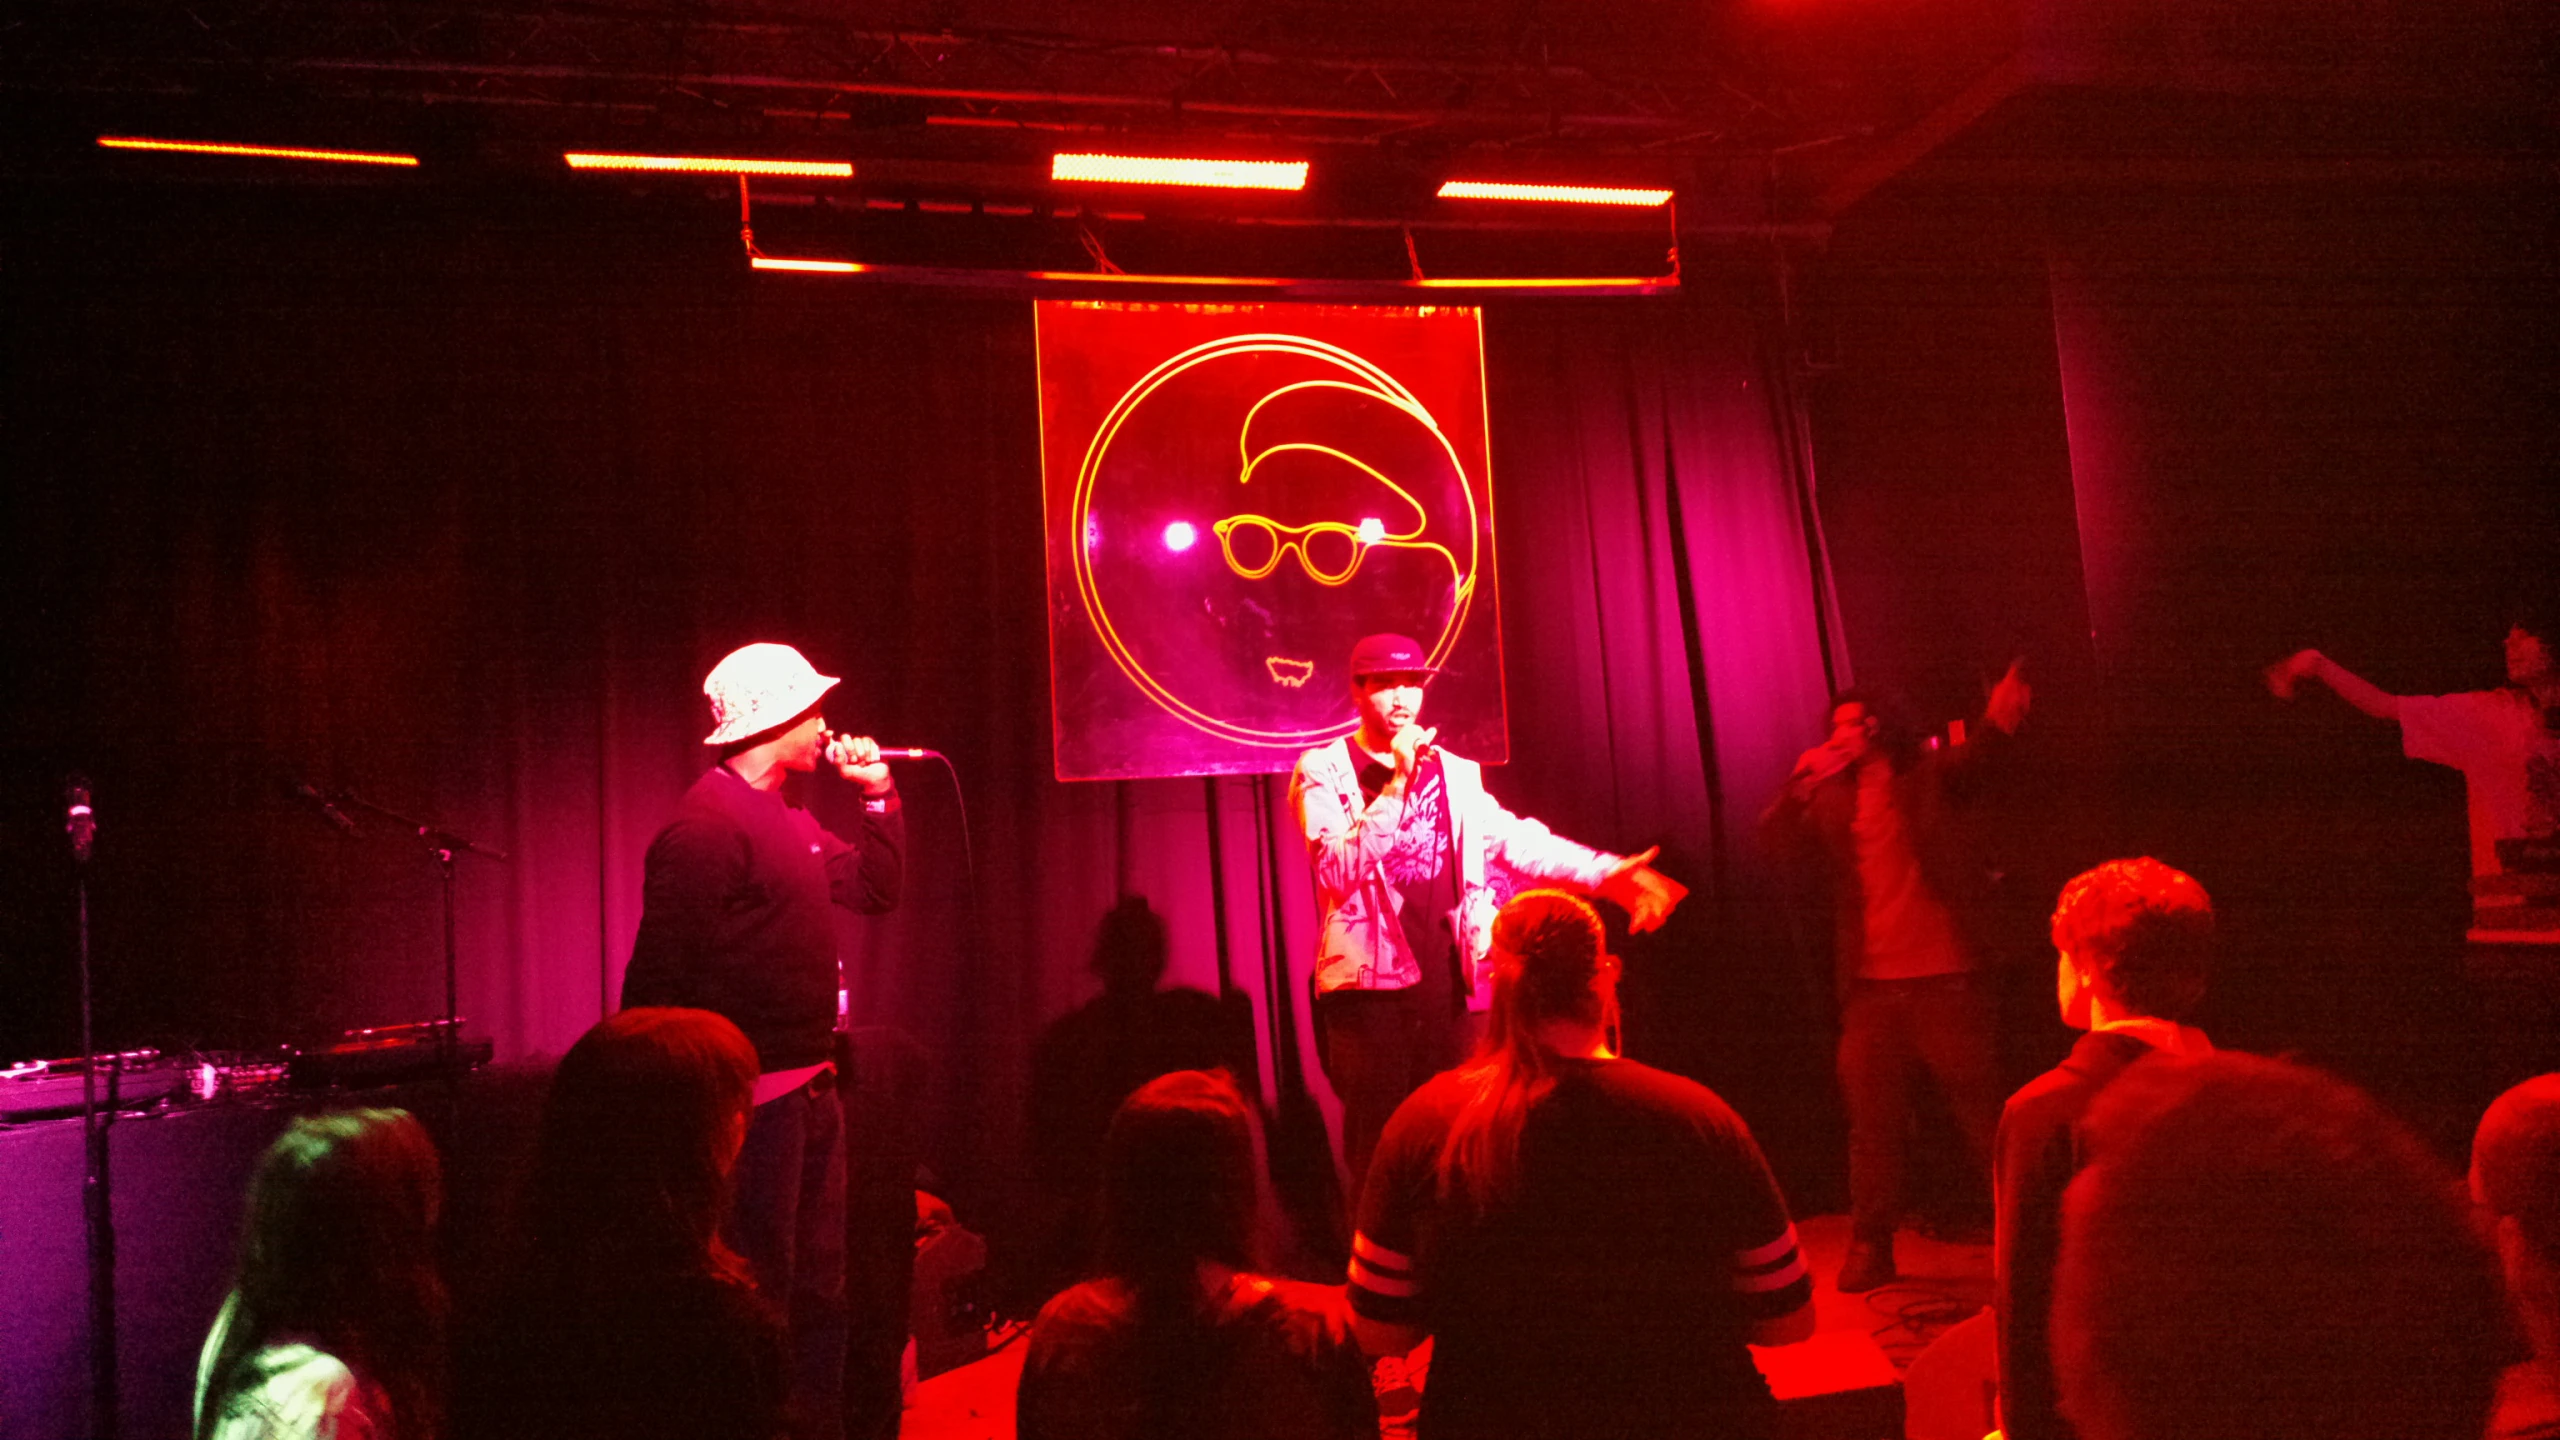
(2135, 939)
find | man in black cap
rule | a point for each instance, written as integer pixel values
(1402, 839)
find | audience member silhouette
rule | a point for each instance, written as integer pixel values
(2134, 939)
(2515, 1178)
(334, 1328)
(1091, 1059)
(2257, 1249)
(1590, 1242)
(630, 1317)
(1180, 1336)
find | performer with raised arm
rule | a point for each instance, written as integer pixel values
(2505, 1016)
(736, 918)
(1401, 837)
(1880, 809)
(2506, 743)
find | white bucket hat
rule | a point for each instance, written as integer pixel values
(759, 686)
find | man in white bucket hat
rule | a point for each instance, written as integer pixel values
(736, 918)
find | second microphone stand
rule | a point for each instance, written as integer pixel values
(447, 847)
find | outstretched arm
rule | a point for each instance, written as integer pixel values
(2284, 675)
(1627, 881)
(1646, 894)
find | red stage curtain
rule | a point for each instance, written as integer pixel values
(455, 509)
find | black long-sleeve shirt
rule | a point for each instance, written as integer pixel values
(2038, 1153)
(734, 912)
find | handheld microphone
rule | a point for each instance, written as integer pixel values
(80, 821)
(827, 740)
(328, 808)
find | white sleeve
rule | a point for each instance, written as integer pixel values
(1529, 848)
(2448, 729)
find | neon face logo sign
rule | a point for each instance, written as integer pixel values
(1334, 455)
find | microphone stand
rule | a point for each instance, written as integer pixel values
(97, 1207)
(446, 847)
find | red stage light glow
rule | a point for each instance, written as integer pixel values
(1171, 170)
(709, 165)
(268, 152)
(1553, 194)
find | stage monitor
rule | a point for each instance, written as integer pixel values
(1237, 493)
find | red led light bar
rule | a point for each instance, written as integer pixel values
(709, 165)
(1552, 194)
(1171, 170)
(270, 152)
(817, 267)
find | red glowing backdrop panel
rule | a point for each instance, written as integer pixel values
(1236, 494)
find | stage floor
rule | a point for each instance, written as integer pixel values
(1943, 1282)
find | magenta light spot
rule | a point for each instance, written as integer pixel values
(1180, 536)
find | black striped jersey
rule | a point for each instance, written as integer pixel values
(1610, 1293)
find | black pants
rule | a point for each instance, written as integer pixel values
(1892, 1031)
(1377, 1047)
(788, 1222)
(884, 1148)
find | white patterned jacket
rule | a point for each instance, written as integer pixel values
(1361, 941)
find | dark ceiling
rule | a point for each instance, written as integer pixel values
(1767, 116)
(1635, 89)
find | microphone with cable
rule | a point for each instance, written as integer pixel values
(827, 740)
(80, 819)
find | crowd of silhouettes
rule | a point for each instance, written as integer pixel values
(2189, 1243)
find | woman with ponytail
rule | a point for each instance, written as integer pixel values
(1589, 1241)
(1179, 1337)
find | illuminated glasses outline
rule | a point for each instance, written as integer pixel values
(1285, 538)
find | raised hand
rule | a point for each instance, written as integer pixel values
(2284, 676)
(2010, 698)
(857, 758)
(1408, 747)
